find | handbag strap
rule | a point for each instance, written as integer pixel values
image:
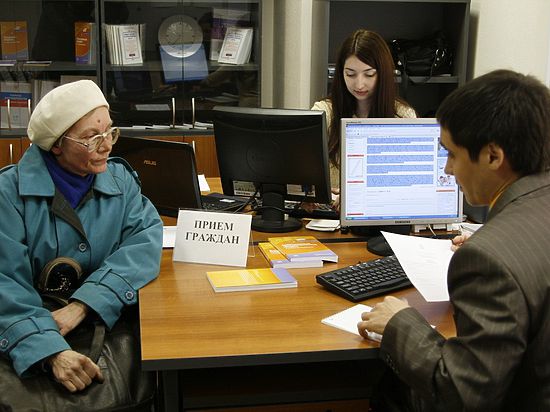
(97, 341)
(404, 76)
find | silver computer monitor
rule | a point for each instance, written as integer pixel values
(392, 173)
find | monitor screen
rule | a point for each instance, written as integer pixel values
(392, 173)
(280, 154)
(166, 170)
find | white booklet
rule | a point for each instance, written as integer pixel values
(130, 44)
(348, 319)
(237, 45)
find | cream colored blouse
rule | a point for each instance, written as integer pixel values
(326, 106)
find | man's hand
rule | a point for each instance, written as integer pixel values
(377, 319)
(70, 316)
(74, 370)
(459, 241)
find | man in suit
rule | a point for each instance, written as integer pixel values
(496, 129)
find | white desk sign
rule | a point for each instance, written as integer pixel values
(212, 237)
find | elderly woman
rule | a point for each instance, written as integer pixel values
(65, 198)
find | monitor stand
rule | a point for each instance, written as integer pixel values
(272, 219)
(378, 244)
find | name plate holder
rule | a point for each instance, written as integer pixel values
(214, 238)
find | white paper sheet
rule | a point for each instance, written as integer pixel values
(203, 184)
(425, 261)
(168, 236)
(348, 319)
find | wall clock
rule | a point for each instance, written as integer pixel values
(180, 36)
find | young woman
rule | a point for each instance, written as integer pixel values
(363, 86)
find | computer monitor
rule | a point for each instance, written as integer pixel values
(167, 172)
(392, 175)
(277, 153)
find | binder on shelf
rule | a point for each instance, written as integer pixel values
(237, 45)
(15, 98)
(223, 18)
(85, 39)
(14, 40)
(21, 40)
(8, 40)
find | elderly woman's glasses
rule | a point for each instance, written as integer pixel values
(93, 143)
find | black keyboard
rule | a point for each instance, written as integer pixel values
(366, 280)
(322, 211)
(219, 202)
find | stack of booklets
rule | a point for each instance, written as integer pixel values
(296, 252)
(41, 87)
(15, 99)
(222, 18)
(125, 43)
(237, 45)
(250, 279)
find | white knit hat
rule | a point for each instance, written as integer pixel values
(62, 107)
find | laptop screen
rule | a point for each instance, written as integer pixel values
(167, 172)
(392, 173)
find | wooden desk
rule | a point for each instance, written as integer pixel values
(185, 325)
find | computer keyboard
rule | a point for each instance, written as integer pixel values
(322, 211)
(219, 202)
(366, 280)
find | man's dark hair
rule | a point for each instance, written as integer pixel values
(503, 107)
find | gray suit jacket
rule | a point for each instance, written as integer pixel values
(499, 286)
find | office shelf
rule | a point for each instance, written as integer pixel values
(152, 83)
(407, 19)
(51, 40)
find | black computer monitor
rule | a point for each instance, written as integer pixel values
(276, 153)
(167, 172)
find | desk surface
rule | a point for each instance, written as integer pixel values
(185, 324)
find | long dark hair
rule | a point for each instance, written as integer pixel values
(371, 49)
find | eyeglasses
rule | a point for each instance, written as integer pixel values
(93, 143)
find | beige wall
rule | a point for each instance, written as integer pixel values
(510, 34)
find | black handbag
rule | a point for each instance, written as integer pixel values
(116, 352)
(427, 57)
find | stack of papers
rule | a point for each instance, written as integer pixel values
(323, 225)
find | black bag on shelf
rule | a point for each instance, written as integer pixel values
(427, 57)
(116, 352)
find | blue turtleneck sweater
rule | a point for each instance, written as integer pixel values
(71, 185)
